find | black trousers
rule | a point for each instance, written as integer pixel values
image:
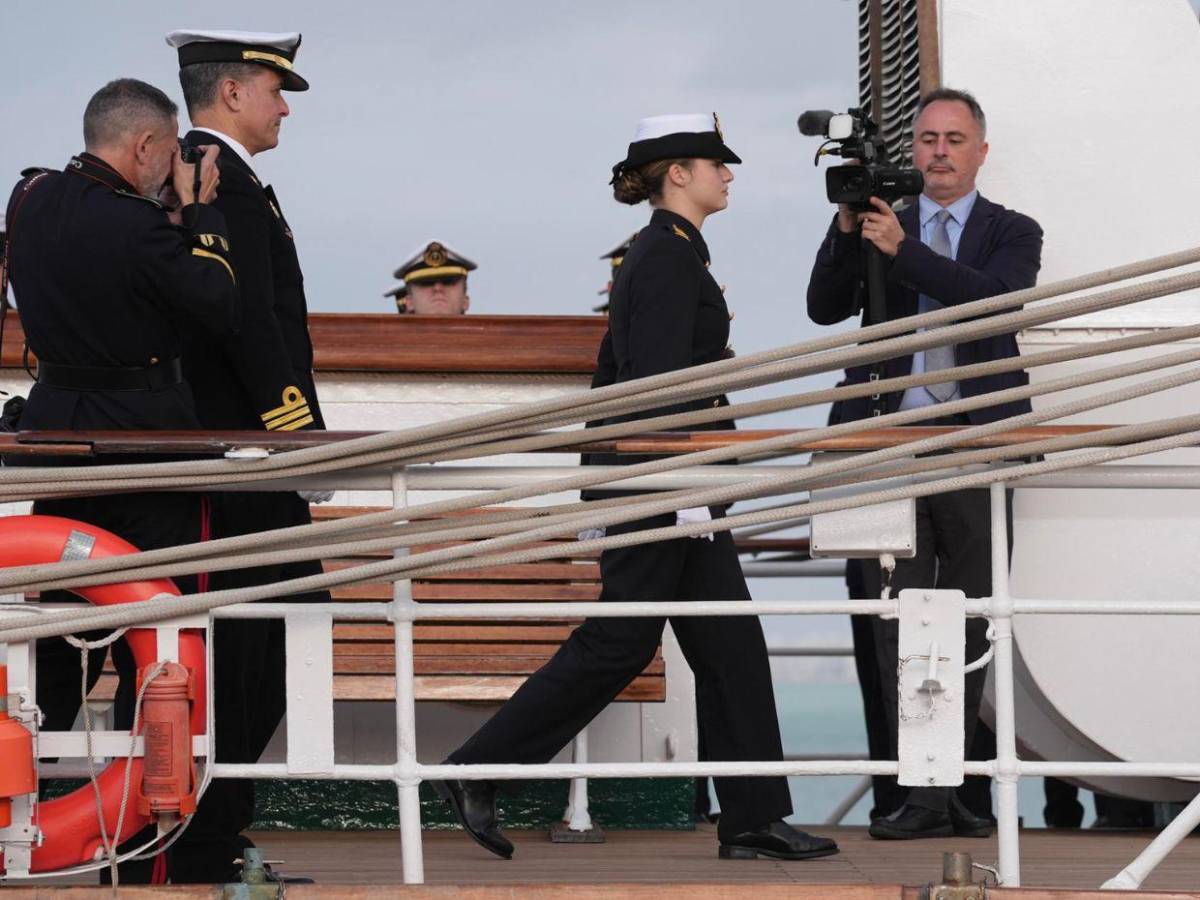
(248, 689)
(728, 655)
(953, 553)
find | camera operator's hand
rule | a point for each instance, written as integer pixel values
(847, 219)
(183, 173)
(881, 227)
(170, 201)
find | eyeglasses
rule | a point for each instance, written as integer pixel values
(445, 281)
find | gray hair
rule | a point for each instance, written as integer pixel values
(124, 107)
(957, 96)
(200, 81)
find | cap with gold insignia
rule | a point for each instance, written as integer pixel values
(686, 136)
(430, 262)
(275, 50)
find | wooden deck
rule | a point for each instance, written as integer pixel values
(662, 864)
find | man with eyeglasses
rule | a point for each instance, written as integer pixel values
(434, 282)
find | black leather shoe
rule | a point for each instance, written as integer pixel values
(911, 822)
(474, 802)
(967, 824)
(779, 840)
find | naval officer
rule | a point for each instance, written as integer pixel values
(234, 85)
(667, 314)
(433, 282)
(97, 231)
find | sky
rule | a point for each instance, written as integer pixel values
(492, 127)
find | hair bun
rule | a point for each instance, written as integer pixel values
(631, 187)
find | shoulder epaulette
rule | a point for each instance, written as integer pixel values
(150, 200)
(675, 229)
(35, 170)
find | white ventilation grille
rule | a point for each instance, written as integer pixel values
(890, 98)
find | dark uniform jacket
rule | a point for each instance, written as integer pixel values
(667, 313)
(263, 377)
(999, 251)
(102, 278)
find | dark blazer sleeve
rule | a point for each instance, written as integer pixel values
(259, 353)
(833, 287)
(1011, 265)
(191, 273)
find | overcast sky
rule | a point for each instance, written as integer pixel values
(490, 126)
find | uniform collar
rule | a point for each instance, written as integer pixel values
(682, 227)
(233, 144)
(92, 166)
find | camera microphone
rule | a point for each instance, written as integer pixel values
(815, 122)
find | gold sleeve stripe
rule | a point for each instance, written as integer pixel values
(196, 251)
(292, 401)
(275, 424)
(209, 240)
(292, 426)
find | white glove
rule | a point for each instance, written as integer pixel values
(591, 534)
(316, 496)
(694, 515)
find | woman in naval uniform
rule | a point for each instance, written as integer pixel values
(667, 313)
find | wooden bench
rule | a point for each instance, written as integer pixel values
(480, 660)
(473, 660)
(460, 660)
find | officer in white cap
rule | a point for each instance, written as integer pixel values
(434, 282)
(667, 314)
(234, 83)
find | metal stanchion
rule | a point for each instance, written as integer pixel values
(408, 782)
(1007, 766)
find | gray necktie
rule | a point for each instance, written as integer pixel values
(940, 357)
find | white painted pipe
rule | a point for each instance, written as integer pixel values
(408, 784)
(1132, 876)
(1008, 773)
(578, 817)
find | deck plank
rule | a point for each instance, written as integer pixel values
(1080, 860)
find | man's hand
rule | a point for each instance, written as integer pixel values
(182, 175)
(847, 220)
(170, 201)
(881, 227)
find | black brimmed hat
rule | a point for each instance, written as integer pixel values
(275, 50)
(688, 136)
(430, 261)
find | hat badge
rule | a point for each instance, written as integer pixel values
(717, 128)
(435, 255)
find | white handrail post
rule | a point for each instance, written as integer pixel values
(1008, 772)
(408, 782)
(577, 816)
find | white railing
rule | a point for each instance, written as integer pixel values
(309, 629)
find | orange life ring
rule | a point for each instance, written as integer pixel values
(69, 824)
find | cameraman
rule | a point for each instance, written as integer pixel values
(952, 246)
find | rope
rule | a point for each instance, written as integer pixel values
(31, 628)
(141, 564)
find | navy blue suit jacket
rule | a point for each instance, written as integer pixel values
(1000, 251)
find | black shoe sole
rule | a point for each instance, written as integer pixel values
(885, 834)
(443, 791)
(726, 851)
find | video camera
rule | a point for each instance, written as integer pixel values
(852, 135)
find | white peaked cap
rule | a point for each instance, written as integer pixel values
(658, 126)
(284, 40)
